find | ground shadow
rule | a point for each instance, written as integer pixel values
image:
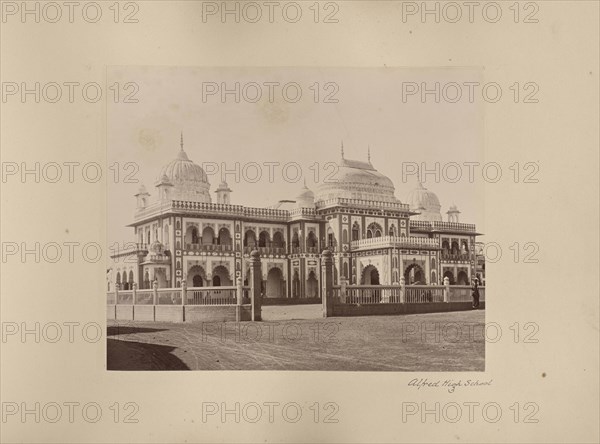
(128, 355)
(115, 330)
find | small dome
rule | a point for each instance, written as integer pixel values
(164, 180)
(223, 186)
(142, 190)
(425, 202)
(306, 198)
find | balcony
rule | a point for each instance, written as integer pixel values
(395, 242)
(226, 248)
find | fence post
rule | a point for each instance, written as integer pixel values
(240, 295)
(402, 289)
(183, 292)
(343, 284)
(134, 293)
(155, 292)
(256, 284)
(327, 282)
(446, 289)
(117, 293)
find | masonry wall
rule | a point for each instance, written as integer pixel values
(390, 309)
(177, 313)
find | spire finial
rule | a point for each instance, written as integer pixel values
(342, 149)
(369, 153)
(305, 182)
(181, 142)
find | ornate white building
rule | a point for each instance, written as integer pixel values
(375, 239)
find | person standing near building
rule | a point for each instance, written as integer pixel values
(475, 292)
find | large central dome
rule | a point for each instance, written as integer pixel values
(355, 179)
(190, 182)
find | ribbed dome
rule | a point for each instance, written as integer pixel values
(183, 169)
(189, 180)
(357, 180)
(426, 202)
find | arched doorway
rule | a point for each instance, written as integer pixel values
(221, 276)
(462, 278)
(249, 239)
(224, 237)
(263, 239)
(414, 275)
(370, 276)
(311, 241)
(278, 240)
(208, 236)
(374, 230)
(275, 284)
(296, 285)
(160, 275)
(312, 285)
(355, 231)
(448, 274)
(196, 277)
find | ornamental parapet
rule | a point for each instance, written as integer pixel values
(345, 202)
(441, 226)
(395, 242)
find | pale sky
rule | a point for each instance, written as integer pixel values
(370, 112)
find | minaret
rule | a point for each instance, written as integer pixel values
(453, 214)
(223, 194)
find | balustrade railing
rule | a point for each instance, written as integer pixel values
(209, 247)
(407, 294)
(441, 226)
(418, 294)
(463, 293)
(125, 297)
(211, 296)
(455, 256)
(172, 296)
(372, 294)
(144, 297)
(265, 250)
(168, 296)
(395, 242)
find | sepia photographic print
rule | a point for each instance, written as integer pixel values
(297, 219)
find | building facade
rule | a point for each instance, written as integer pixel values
(182, 235)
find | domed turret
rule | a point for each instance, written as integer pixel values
(425, 202)
(223, 193)
(142, 197)
(306, 198)
(453, 214)
(189, 180)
